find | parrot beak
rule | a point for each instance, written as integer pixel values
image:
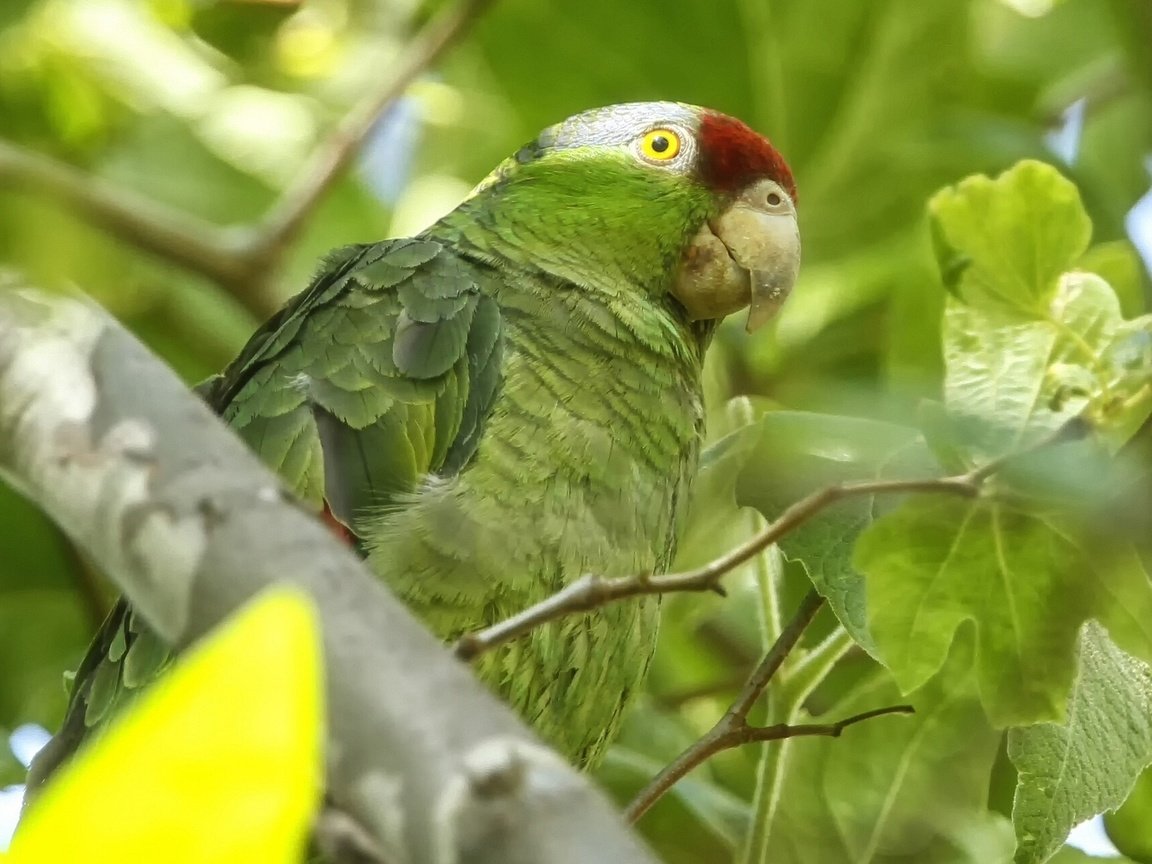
(748, 256)
(760, 233)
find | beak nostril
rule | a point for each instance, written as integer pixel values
(774, 200)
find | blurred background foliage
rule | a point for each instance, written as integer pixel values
(211, 106)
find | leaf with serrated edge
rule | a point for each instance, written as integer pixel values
(1072, 771)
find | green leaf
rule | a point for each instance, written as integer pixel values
(1072, 855)
(1020, 578)
(796, 454)
(1004, 242)
(242, 29)
(1027, 344)
(41, 634)
(1130, 827)
(11, 770)
(918, 784)
(1027, 377)
(714, 522)
(1072, 771)
(702, 818)
(44, 623)
(1118, 263)
(721, 812)
(229, 744)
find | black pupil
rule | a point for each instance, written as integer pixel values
(660, 143)
(773, 199)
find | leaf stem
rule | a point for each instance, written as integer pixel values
(801, 680)
(733, 729)
(735, 719)
(814, 666)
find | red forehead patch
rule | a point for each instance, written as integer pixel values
(732, 156)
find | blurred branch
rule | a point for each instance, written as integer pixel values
(191, 525)
(246, 259)
(186, 240)
(592, 590)
(733, 729)
(328, 164)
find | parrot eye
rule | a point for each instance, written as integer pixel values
(660, 145)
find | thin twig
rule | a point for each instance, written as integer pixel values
(719, 740)
(829, 730)
(593, 590)
(733, 730)
(776, 655)
(590, 591)
(244, 259)
(329, 163)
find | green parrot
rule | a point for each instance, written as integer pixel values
(512, 398)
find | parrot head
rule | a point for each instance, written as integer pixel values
(677, 199)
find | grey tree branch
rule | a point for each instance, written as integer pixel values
(244, 259)
(143, 477)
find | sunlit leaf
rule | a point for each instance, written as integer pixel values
(1026, 377)
(219, 763)
(1004, 242)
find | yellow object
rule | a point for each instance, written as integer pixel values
(220, 762)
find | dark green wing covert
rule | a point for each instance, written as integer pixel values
(381, 372)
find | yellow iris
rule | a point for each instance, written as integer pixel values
(660, 145)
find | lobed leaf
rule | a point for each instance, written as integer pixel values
(1004, 242)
